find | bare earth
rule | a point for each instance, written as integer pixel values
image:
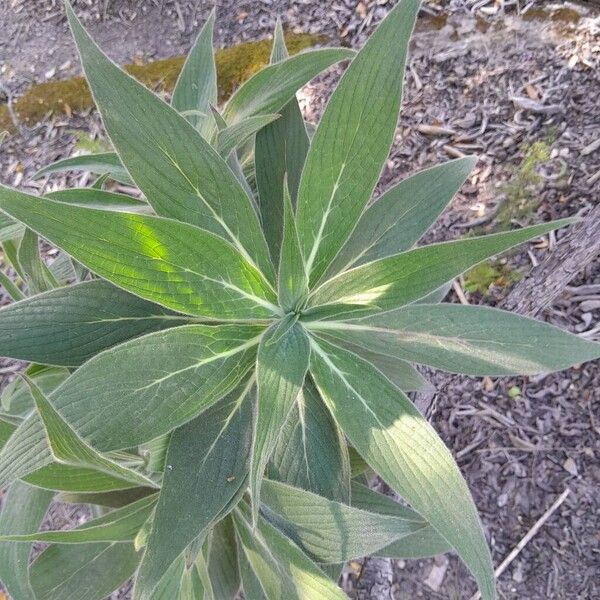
(498, 84)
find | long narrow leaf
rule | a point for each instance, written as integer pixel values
(105, 163)
(178, 171)
(177, 265)
(394, 438)
(391, 282)
(352, 140)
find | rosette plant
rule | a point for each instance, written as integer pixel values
(236, 349)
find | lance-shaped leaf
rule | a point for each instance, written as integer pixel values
(250, 583)
(311, 452)
(423, 543)
(329, 531)
(153, 384)
(222, 560)
(396, 221)
(234, 136)
(95, 198)
(281, 366)
(115, 499)
(353, 140)
(178, 171)
(393, 437)
(105, 163)
(207, 462)
(69, 325)
(120, 525)
(196, 86)
(474, 340)
(90, 571)
(68, 448)
(282, 569)
(177, 265)
(279, 152)
(180, 582)
(269, 90)
(391, 282)
(23, 508)
(292, 279)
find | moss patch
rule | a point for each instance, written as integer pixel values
(482, 276)
(234, 65)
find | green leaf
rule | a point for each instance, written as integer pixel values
(329, 531)
(10, 287)
(120, 525)
(353, 140)
(250, 583)
(396, 221)
(237, 134)
(423, 543)
(222, 560)
(68, 448)
(180, 582)
(105, 163)
(292, 279)
(69, 325)
(94, 198)
(90, 571)
(282, 569)
(114, 499)
(177, 265)
(196, 87)
(474, 340)
(207, 462)
(271, 88)
(280, 370)
(23, 508)
(178, 171)
(36, 274)
(148, 386)
(394, 438)
(280, 151)
(391, 282)
(311, 452)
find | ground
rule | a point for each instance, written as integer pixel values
(521, 93)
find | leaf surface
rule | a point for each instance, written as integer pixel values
(104, 163)
(393, 437)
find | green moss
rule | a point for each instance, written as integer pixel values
(234, 65)
(482, 276)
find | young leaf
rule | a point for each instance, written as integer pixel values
(68, 448)
(115, 499)
(207, 462)
(391, 282)
(177, 265)
(69, 325)
(281, 568)
(106, 163)
(23, 508)
(178, 171)
(120, 525)
(396, 221)
(250, 583)
(269, 90)
(153, 384)
(196, 86)
(280, 369)
(329, 531)
(474, 340)
(222, 560)
(90, 571)
(353, 140)
(292, 279)
(280, 151)
(393, 437)
(311, 453)
(423, 543)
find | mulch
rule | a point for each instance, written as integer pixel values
(478, 83)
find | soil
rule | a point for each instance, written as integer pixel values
(500, 83)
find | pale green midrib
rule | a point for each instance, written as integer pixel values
(236, 242)
(226, 354)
